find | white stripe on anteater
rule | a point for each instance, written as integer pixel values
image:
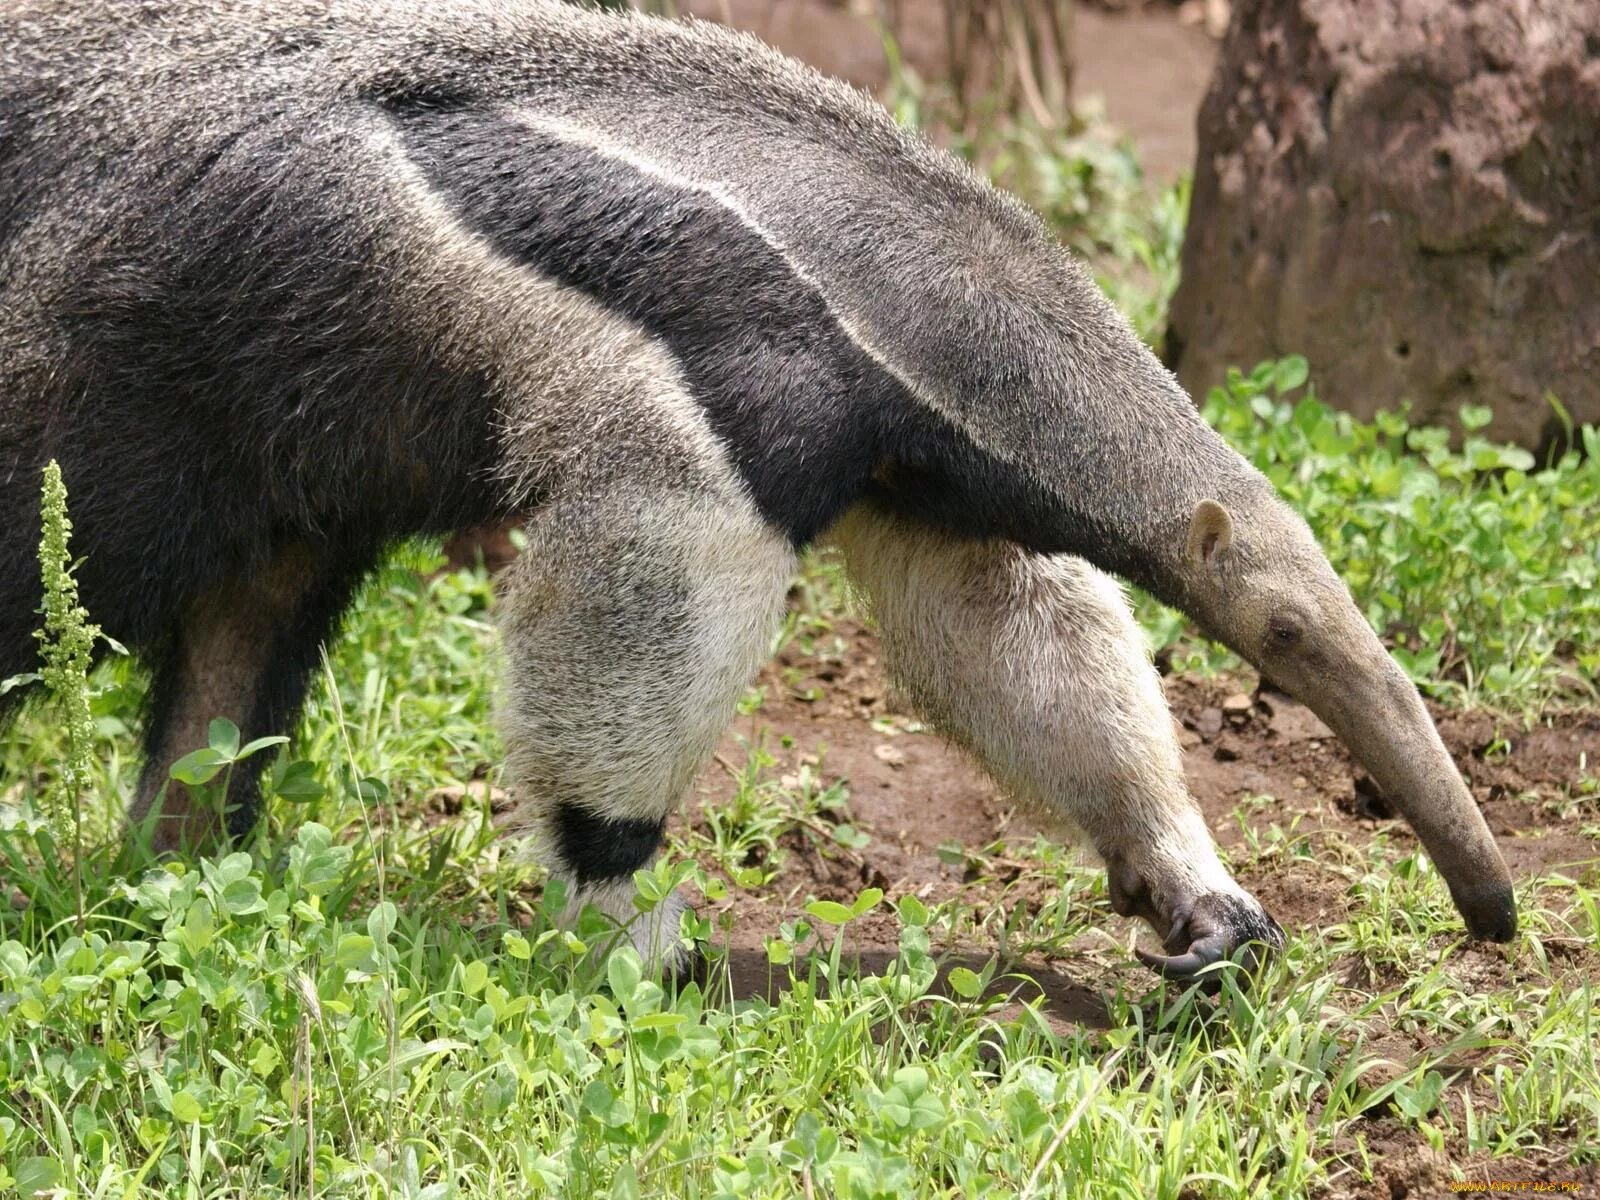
(720, 192)
(646, 598)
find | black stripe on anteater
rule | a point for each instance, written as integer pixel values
(811, 421)
(596, 849)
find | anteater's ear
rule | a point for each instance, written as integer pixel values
(1210, 533)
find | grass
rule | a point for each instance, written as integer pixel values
(372, 1000)
(315, 1018)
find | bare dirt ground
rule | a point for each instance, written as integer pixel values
(912, 793)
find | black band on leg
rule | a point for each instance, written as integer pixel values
(596, 848)
(297, 644)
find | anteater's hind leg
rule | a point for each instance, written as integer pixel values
(631, 623)
(1035, 664)
(20, 589)
(245, 651)
(19, 655)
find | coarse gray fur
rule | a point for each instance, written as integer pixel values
(285, 281)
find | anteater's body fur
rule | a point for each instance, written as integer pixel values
(283, 282)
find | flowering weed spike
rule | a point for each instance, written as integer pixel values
(65, 644)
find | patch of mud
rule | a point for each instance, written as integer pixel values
(1405, 1169)
(1522, 778)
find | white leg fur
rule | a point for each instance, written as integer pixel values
(1036, 666)
(631, 626)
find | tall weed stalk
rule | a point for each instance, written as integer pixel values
(66, 644)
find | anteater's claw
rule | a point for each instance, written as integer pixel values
(1216, 928)
(1201, 954)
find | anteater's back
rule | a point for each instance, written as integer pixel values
(236, 311)
(297, 272)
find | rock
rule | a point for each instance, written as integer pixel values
(1237, 708)
(1405, 193)
(1292, 721)
(1208, 723)
(890, 755)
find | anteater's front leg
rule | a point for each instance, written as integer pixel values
(631, 624)
(1035, 664)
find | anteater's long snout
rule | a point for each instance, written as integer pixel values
(1381, 718)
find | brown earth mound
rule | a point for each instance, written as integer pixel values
(1405, 193)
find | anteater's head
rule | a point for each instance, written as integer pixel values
(1256, 580)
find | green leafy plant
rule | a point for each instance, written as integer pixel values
(66, 647)
(66, 644)
(1480, 566)
(208, 771)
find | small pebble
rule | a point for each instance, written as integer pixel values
(891, 755)
(1237, 708)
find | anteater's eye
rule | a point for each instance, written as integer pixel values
(1284, 632)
